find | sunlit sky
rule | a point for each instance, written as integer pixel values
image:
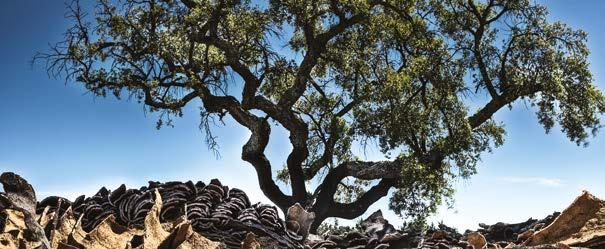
(66, 142)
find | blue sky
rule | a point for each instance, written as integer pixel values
(66, 142)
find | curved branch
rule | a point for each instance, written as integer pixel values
(286, 117)
(173, 105)
(508, 97)
(358, 169)
(360, 206)
(325, 206)
(299, 134)
(253, 150)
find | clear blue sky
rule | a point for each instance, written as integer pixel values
(66, 142)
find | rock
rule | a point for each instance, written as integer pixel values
(315, 241)
(108, 234)
(374, 232)
(391, 237)
(538, 226)
(440, 234)
(154, 233)
(298, 220)
(336, 239)
(525, 235)
(442, 246)
(581, 224)
(8, 241)
(504, 231)
(19, 195)
(493, 246)
(463, 244)
(441, 237)
(476, 240)
(250, 242)
(196, 240)
(510, 245)
(14, 221)
(375, 223)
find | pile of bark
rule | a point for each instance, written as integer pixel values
(196, 215)
(161, 215)
(376, 232)
(581, 225)
(373, 232)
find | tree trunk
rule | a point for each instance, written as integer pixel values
(321, 214)
(316, 223)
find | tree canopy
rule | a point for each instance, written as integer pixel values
(421, 79)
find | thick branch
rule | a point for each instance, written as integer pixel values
(253, 150)
(496, 104)
(281, 112)
(149, 100)
(358, 169)
(483, 68)
(361, 205)
(325, 206)
(373, 170)
(298, 138)
(296, 126)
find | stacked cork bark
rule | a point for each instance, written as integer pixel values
(213, 211)
(196, 215)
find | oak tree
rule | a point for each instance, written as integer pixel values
(419, 79)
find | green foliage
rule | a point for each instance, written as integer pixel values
(334, 228)
(404, 75)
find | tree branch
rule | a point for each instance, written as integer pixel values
(361, 205)
(251, 82)
(329, 145)
(253, 150)
(315, 46)
(487, 111)
(358, 169)
(325, 206)
(478, 36)
(298, 138)
(286, 117)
